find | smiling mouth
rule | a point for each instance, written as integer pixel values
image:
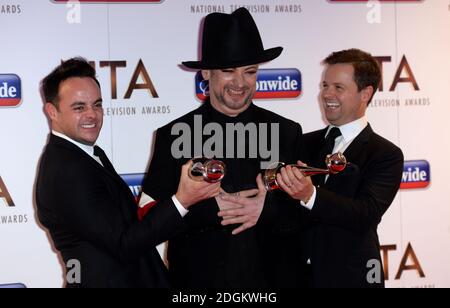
(236, 92)
(332, 105)
(89, 126)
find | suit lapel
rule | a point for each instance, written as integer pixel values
(355, 155)
(352, 153)
(57, 141)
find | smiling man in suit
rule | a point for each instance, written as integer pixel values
(344, 210)
(88, 209)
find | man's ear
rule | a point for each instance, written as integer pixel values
(366, 94)
(206, 74)
(51, 111)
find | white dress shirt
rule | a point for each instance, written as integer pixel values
(349, 132)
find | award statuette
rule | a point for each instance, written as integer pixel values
(335, 163)
(208, 170)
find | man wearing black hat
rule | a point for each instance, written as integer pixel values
(227, 251)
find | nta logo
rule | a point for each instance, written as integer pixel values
(4, 194)
(10, 90)
(416, 174)
(271, 83)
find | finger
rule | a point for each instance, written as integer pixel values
(242, 228)
(238, 211)
(292, 178)
(248, 193)
(228, 217)
(234, 199)
(300, 163)
(283, 185)
(234, 221)
(186, 167)
(260, 183)
(285, 177)
(212, 191)
(298, 175)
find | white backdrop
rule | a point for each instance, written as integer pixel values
(37, 34)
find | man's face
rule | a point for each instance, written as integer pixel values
(80, 112)
(342, 102)
(232, 90)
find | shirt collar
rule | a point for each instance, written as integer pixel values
(351, 130)
(87, 148)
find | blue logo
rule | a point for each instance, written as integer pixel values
(134, 182)
(416, 174)
(271, 84)
(10, 90)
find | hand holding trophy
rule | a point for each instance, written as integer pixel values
(336, 163)
(208, 170)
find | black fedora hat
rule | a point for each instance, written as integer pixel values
(232, 40)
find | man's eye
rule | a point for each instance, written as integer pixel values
(78, 108)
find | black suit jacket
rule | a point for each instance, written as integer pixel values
(207, 254)
(92, 217)
(342, 235)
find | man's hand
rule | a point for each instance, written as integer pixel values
(244, 210)
(191, 192)
(294, 183)
(227, 205)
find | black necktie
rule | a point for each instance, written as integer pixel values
(327, 149)
(104, 159)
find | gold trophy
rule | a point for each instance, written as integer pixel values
(336, 163)
(208, 170)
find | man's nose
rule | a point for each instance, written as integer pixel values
(239, 80)
(328, 93)
(91, 111)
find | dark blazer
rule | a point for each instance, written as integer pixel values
(342, 236)
(207, 254)
(92, 217)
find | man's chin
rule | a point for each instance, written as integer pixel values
(233, 105)
(90, 141)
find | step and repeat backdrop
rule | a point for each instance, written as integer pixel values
(137, 46)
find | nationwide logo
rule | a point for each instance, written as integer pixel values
(271, 83)
(416, 174)
(134, 182)
(10, 90)
(111, 1)
(5, 197)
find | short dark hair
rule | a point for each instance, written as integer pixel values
(75, 67)
(367, 71)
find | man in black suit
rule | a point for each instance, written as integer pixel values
(226, 251)
(344, 210)
(88, 209)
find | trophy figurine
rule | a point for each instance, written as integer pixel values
(336, 163)
(208, 170)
